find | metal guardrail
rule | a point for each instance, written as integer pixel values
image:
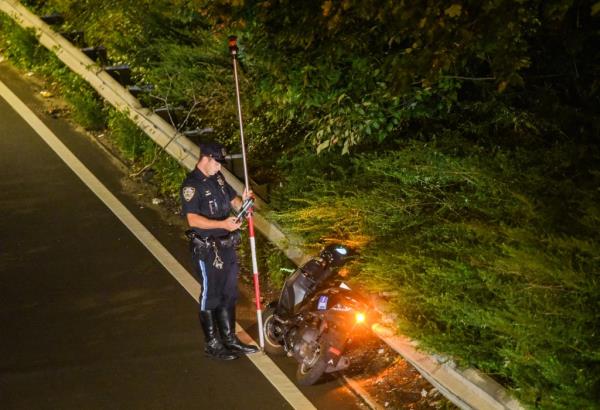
(468, 389)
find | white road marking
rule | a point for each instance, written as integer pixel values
(277, 378)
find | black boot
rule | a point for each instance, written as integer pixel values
(230, 340)
(212, 345)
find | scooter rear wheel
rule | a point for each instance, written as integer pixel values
(272, 333)
(311, 369)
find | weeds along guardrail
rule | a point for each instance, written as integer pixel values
(468, 389)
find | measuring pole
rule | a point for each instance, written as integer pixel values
(234, 50)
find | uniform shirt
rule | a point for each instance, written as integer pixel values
(207, 196)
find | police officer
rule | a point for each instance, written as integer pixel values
(207, 202)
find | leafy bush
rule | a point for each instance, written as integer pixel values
(90, 111)
(20, 45)
(129, 138)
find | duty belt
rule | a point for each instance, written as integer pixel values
(227, 241)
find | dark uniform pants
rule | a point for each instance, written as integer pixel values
(219, 286)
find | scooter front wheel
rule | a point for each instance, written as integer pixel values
(272, 333)
(313, 367)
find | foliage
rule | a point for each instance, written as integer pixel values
(186, 74)
(22, 48)
(90, 111)
(20, 45)
(363, 73)
(136, 147)
(129, 138)
(169, 175)
(278, 266)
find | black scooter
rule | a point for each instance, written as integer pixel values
(315, 317)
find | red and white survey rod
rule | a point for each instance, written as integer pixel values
(234, 50)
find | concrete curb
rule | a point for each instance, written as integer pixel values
(468, 389)
(354, 386)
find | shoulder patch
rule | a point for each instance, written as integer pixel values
(188, 193)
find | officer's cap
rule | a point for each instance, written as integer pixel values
(213, 150)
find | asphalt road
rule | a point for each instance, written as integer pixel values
(88, 317)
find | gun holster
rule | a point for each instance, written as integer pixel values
(198, 246)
